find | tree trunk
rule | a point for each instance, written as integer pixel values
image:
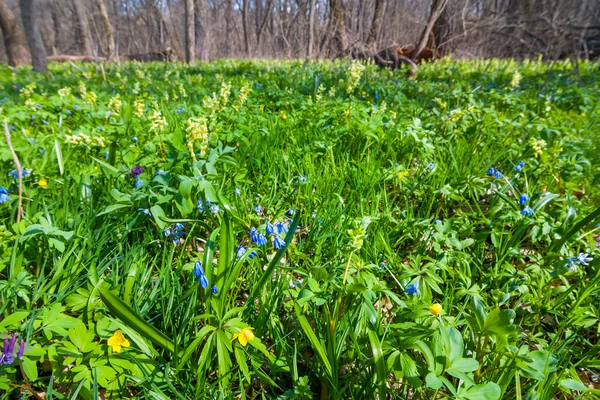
(200, 30)
(376, 22)
(84, 30)
(190, 45)
(340, 39)
(311, 29)
(245, 27)
(435, 14)
(39, 59)
(228, 26)
(108, 29)
(14, 37)
(441, 30)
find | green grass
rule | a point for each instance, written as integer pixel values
(388, 181)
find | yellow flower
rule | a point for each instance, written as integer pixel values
(117, 341)
(244, 336)
(436, 309)
(402, 174)
(42, 183)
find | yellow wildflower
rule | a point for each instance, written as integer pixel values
(402, 174)
(436, 309)
(42, 183)
(244, 336)
(117, 341)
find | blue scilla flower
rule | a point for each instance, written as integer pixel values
(376, 96)
(431, 166)
(44, 122)
(269, 228)
(491, 171)
(237, 191)
(214, 290)
(106, 155)
(4, 197)
(519, 166)
(24, 173)
(523, 199)
(278, 242)
(258, 209)
(179, 226)
(261, 240)
(527, 211)
(200, 205)
(146, 212)
(33, 117)
(291, 212)
(282, 228)
(135, 140)
(582, 259)
(68, 112)
(240, 251)
(214, 209)
(498, 174)
(254, 234)
(138, 183)
(199, 273)
(11, 127)
(252, 255)
(413, 288)
(179, 110)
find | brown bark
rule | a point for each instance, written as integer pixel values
(34, 39)
(433, 17)
(84, 30)
(340, 38)
(376, 22)
(245, 27)
(201, 32)
(190, 45)
(228, 26)
(14, 37)
(108, 29)
(311, 29)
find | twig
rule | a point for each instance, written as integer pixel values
(19, 170)
(27, 384)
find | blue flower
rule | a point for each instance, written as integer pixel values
(254, 234)
(24, 172)
(523, 199)
(258, 209)
(491, 171)
(106, 155)
(252, 255)
(11, 127)
(278, 242)
(261, 240)
(413, 288)
(68, 112)
(437, 222)
(431, 166)
(582, 259)
(138, 182)
(4, 198)
(214, 209)
(498, 174)
(146, 212)
(44, 122)
(179, 226)
(519, 166)
(7, 357)
(376, 96)
(282, 228)
(214, 290)
(179, 110)
(200, 205)
(291, 212)
(302, 179)
(237, 191)
(199, 272)
(527, 211)
(240, 251)
(135, 140)
(269, 228)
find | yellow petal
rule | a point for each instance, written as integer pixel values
(243, 340)
(116, 348)
(125, 343)
(249, 335)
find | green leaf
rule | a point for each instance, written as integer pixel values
(573, 384)
(305, 325)
(499, 322)
(30, 368)
(379, 362)
(13, 321)
(465, 364)
(194, 345)
(113, 207)
(432, 381)
(487, 391)
(121, 310)
(158, 214)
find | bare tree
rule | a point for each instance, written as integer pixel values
(200, 31)
(39, 59)
(311, 29)
(84, 30)
(14, 37)
(376, 22)
(108, 29)
(437, 9)
(190, 45)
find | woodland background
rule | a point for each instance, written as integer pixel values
(209, 29)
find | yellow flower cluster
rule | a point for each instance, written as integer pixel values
(90, 98)
(64, 92)
(114, 104)
(516, 80)
(27, 91)
(197, 132)
(320, 92)
(182, 90)
(139, 107)
(82, 89)
(244, 91)
(216, 103)
(86, 140)
(538, 146)
(354, 74)
(157, 121)
(136, 88)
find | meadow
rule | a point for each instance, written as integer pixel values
(290, 230)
